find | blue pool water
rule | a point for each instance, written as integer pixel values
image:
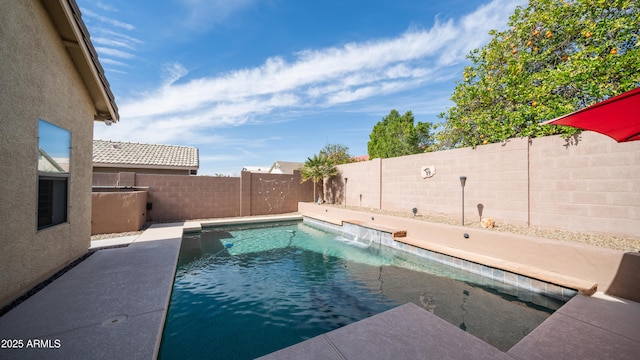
(242, 293)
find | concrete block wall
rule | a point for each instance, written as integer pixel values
(362, 188)
(118, 211)
(105, 179)
(277, 193)
(590, 185)
(496, 182)
(183, 197)
(178, 197)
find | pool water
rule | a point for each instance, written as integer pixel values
(240, 293)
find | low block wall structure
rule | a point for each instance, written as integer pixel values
(182, 197)
(588, 183)
(114, 212)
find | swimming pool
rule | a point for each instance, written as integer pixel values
(244, 292)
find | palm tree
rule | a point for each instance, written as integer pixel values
(317, 168)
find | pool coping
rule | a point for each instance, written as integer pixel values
(527, 277)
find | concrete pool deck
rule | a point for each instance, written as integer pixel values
(112, 306)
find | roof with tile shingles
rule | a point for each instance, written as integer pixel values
(110, 153)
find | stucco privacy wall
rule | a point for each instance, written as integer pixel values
(178, 197)
(496, 179)
(363, 185)
(39, 81)
(592, 185)
(118, 211)
(276, 193)
(175, 197)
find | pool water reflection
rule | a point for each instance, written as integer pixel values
(242, 293)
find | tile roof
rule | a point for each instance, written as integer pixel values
(148, 155)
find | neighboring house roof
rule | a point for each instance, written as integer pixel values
(256, 169)
(150, 156)
(67, 20)
(360, 158)
(48, 164)
(285, 167)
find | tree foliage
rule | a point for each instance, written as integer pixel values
(396, 135)
(556, 57)
(337, 153)
(316, 169)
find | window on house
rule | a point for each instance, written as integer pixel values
(53, 174)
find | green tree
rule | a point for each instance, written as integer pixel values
(556, 57)
(337, 153)
(426, 139)
(318, 168)
(396, 135)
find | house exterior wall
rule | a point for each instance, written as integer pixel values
(592, 185)
(39, 81)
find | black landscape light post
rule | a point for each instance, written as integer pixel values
(345, 191)
(463, 180)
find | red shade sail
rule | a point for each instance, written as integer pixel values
(617, 117)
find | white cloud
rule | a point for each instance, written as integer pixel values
(113, 52)
(108, 61)
(203, 14)
(112, 42)
(173, 72)
(312, 78)
(109, 21)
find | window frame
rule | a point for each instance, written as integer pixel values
(56, 211)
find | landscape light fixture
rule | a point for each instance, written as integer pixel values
(415, 211)
(463, 180)
(345, 191)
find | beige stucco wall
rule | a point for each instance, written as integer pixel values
(113, 212)
(362, 188)
(592, 185)
(39, 81)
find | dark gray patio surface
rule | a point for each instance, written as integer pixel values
(587, 327)
(110, 306)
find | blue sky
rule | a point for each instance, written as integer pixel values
(249, 82)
